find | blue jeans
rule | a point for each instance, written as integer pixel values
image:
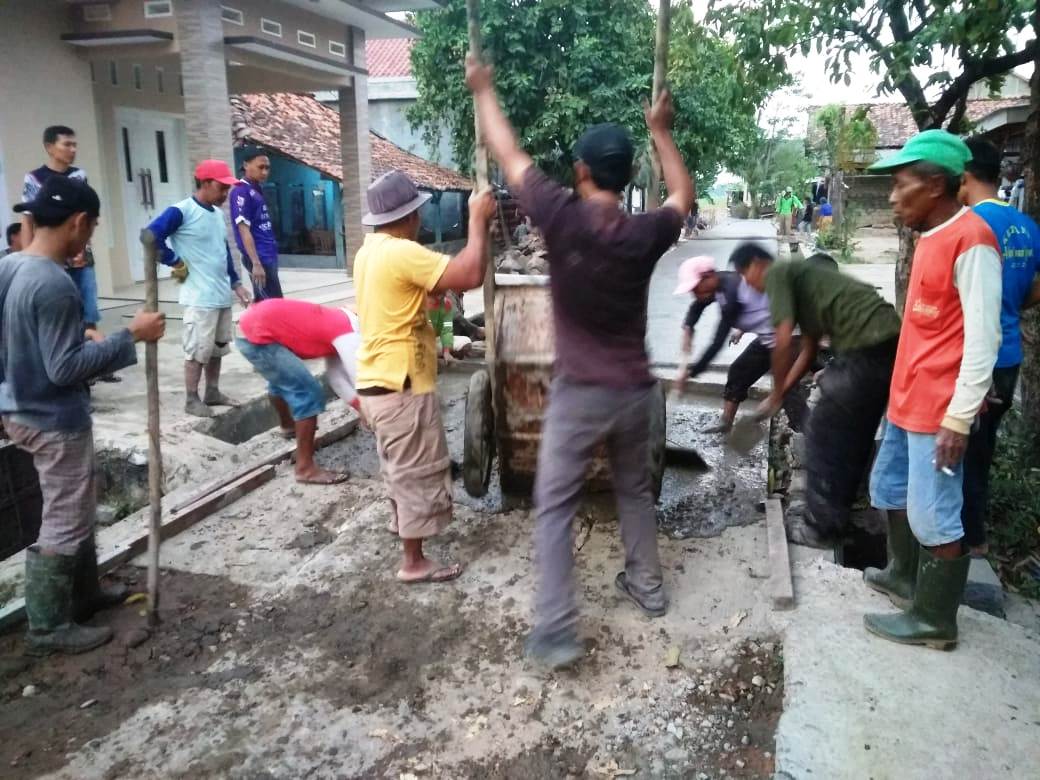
(904, 477)
(86, 283)
(287, 377)
(272, 287)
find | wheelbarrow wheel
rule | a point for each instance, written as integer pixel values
(658, 442)
(478, 447)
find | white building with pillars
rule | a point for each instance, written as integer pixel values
(145, 85)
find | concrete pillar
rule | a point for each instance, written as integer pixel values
(354, 150)
(207, 113)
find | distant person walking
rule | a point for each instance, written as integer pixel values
(254, 232)
(191, 237)
(786, 205)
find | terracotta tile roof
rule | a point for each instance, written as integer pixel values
(300, 127)
(389, 57)
(895, 124)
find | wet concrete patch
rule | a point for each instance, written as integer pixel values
(703, 502)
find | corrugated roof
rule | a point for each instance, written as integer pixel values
(895, 124)
(389, 57)
(300, 127)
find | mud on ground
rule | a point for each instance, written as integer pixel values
(287, 649)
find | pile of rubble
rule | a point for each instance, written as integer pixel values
(525, 257)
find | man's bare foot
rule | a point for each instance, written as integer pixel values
(195, 407)
(287, 433)
(317, 476)
(429, 571)
(979, 551)
(217, 398)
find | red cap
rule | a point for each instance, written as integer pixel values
(217, 170)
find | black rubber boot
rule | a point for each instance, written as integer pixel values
(88, 594)
(897, 579)
(48, 606)
(932, 618)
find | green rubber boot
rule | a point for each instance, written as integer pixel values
(932, 619)
(88, 594)
(48, 606)
(897, 579)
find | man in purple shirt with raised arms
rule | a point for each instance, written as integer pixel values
(600, 263)
(254, 233)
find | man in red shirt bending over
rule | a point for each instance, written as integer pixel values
(279, 334)
(944, 365)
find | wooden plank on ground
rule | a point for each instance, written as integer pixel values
(781, 588)
(339, 430)
(178, 521)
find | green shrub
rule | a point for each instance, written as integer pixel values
(1014, 508)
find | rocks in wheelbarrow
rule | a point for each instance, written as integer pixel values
(527, 257)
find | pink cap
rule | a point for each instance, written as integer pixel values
(217, 170)
(692, 271)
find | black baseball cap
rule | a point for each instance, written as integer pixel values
(60, 198)
(607, 150)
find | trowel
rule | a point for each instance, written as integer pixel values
(746, 433)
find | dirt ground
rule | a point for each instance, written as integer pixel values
(287, 648)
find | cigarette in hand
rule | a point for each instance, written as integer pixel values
(945, 470)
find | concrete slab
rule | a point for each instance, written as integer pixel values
(984, 591)
(858, 707)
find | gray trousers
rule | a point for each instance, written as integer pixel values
(65, 464)
(578, 418)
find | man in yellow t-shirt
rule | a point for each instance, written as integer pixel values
(397, 360)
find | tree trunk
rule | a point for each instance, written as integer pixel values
(664, 17)
(903, 263)
(1030, 371)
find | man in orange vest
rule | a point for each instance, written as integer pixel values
(944, 364)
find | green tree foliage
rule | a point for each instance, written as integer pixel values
(562, 65)
(717, 97)
(772, 162)
(846, 138)
(899, 37)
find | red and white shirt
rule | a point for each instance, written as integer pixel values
(951, 328)
(309, 330)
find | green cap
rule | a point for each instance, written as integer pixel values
(938, 147)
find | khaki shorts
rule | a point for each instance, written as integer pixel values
(207, 333)
(413, 456)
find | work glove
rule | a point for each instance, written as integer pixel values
(179, 271)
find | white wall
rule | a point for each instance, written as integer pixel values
(44, 82)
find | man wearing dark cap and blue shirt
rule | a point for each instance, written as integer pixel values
(1019, 240)
(254, 233)
(600, 263)
(45, 364)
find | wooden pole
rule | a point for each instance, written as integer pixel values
(151, 370)
(480, 170)
(664, 19)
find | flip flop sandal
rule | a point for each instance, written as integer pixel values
(335, 479)
(443, 574)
